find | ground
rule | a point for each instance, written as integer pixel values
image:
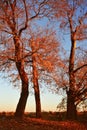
(28, 123)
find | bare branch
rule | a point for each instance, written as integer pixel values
(38, 12)
(80, 68)
(26, 22)
(80, 99)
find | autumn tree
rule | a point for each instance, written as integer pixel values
(72, 17)
(81, 75)
(81, 79)
(43, 44)
(15, 17)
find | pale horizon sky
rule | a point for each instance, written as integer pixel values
(9, 97)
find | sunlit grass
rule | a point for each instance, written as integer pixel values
(50, 120)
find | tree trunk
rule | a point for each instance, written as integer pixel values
(24, 93)
(35, 83)
(21, 105)
(37, 99)
(22, 102)
(36, 90)
(71, 107)
(19, 61)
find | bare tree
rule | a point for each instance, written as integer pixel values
(14, 20)
(72, 16)
(43, 45)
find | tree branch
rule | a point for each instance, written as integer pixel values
(80, 68)
(38, 12)
(81, 99)
(26, 22)
(82, 93)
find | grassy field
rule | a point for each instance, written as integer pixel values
(49, 121)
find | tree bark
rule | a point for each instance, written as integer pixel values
(35, 83)
(36, 89)
(23, 97)
(19, 61)
(37, 100)
(71, 107)
(19, 113)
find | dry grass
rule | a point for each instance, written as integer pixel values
(10, 123)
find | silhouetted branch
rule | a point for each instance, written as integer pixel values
(26, 22)
(80, 68)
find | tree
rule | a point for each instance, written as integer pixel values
(35, 78)
(72, 16)
(62, 105)
(9, 21)
(43, 44)
(14, 20)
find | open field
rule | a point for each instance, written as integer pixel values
(8, 122)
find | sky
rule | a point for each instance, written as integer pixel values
(9, 97)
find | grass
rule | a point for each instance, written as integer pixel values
(49, 121)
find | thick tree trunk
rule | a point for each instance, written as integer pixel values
(19, 61)
(22, 101)
(24, 93)
(71, 107)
